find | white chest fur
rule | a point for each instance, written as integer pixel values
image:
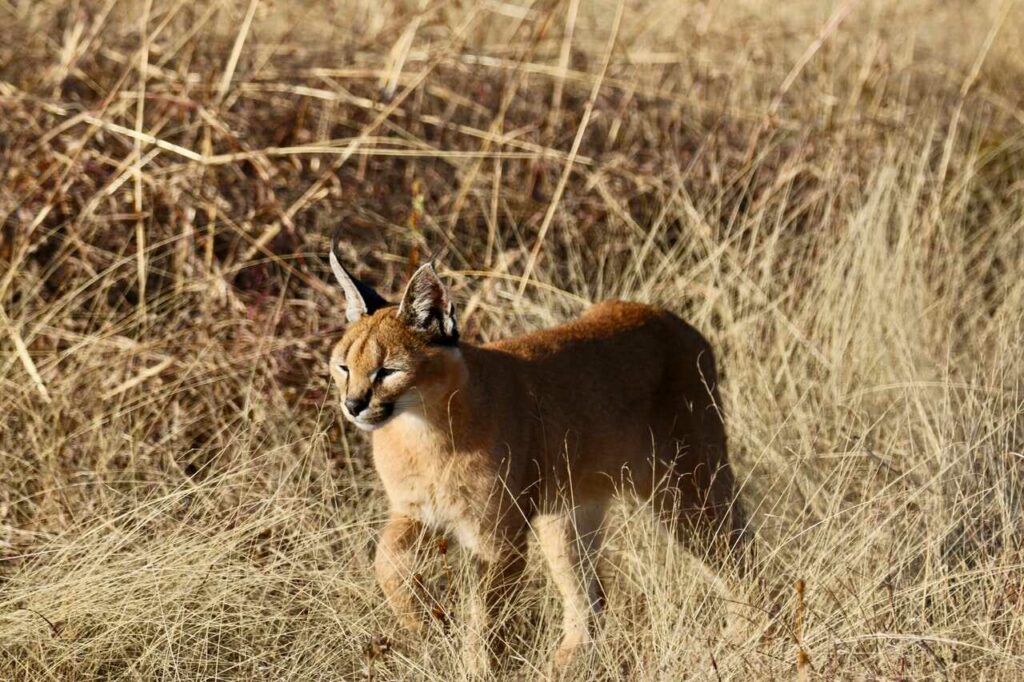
(425, 481)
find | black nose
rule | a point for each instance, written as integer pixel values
(356, 405)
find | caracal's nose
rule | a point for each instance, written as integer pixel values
(356, 405)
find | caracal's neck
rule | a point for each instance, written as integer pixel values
(450, 407)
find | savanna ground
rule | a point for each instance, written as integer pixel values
(833, 192)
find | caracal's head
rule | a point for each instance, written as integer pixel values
(394, 359)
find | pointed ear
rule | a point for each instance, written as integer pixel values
(360, 299)
(427, 307)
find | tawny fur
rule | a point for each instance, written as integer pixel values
(534, 435)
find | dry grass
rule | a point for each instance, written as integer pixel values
(834, 192)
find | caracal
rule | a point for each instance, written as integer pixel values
(532, 435)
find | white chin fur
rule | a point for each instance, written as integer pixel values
(367, 426)
(362, 424)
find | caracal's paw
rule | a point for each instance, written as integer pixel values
(571, 654)
(414, 626)
(420, 621)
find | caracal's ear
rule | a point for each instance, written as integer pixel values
(427, 307)
(360, 299)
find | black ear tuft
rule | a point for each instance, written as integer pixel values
(360, 298)
(427, 307)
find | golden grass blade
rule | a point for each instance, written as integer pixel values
(139, 378)
(236, 51)
(26, 360)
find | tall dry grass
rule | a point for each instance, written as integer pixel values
(833, 192)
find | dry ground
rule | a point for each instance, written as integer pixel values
(832, 191)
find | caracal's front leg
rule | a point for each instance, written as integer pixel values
(395, 566)
(571, 543)
(500, 581)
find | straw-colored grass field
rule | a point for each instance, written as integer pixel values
(832, 191)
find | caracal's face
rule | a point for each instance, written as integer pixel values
(378, 365)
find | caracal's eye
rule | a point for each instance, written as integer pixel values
(343, 368)
(385, 372)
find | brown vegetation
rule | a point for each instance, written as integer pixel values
(832, 192)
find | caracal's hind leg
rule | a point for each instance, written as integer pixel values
(701, 498)
(697, 496)
(706, 518)
(395, 566)
(571, 543)
(704, 528)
